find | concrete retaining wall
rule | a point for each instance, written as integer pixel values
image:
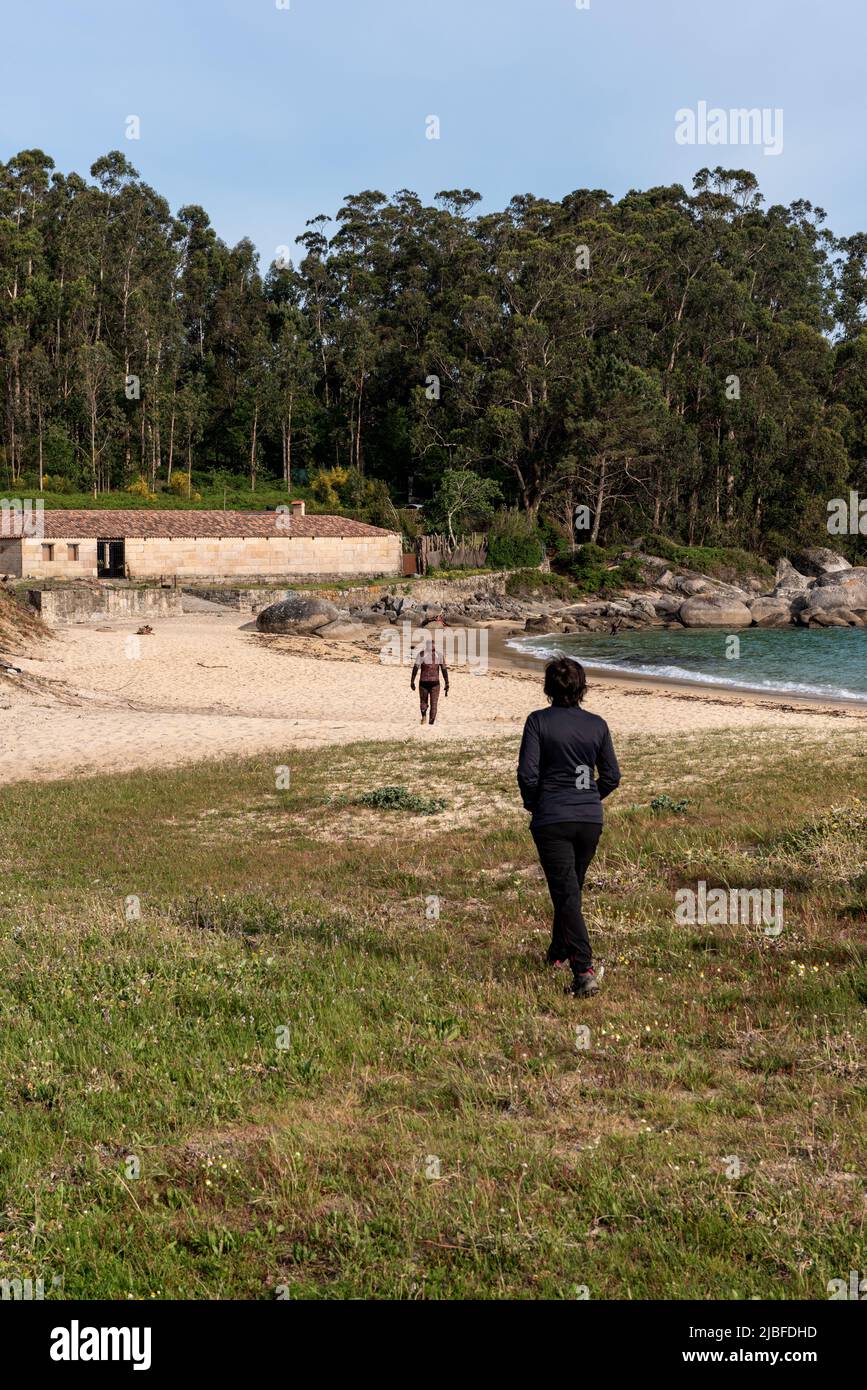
(74, 605)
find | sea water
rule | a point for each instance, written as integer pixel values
(818, 663)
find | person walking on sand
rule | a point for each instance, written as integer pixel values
(427, 666)
(561, 750)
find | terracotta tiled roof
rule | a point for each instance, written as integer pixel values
(117, 525)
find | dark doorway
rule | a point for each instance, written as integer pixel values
(110, 559)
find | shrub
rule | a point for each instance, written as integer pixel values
(326, 486)
(589, 568)
(664, 802)
(528, 584)
(411, 523)
(399, 799)
(178, 486)
(514, 541)
(721, 562)
(53, 482)
(629, 570)
(377, 506)
(140, 488)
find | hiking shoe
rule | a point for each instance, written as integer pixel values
(424, 719)
(587, 982)
(554, 963)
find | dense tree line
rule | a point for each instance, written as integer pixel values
(693, 363)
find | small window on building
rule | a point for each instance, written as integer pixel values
(72, 552)
(48, 552)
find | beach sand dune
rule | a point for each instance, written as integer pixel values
(206, 685)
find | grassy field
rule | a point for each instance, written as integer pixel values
(243, 1056)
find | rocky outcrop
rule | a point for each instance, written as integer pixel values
(713, 610)
(771, 612)
(818, 560)
(822, 590)
(830, 617)
(839, 597)
(542, 622)
(788, 580)
(300, 613)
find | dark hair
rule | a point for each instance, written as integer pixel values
(565, 682)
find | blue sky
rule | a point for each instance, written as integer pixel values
(268, 116)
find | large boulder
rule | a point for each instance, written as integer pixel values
(852, 581)
(818, 560)
(828, 617)
(300, 613)
(543, 622)
(343, 631)
(643, 609)
(666, 606)
(788, 580)
(843, 591)
(714, 611)
(771, 612)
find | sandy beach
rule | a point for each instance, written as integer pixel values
(94, 698)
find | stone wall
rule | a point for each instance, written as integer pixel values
(446, 590)
(252, 599)
(254, 556)
(35, 565)
(81, 605)
(247, 557)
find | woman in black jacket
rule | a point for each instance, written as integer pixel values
(562, 748)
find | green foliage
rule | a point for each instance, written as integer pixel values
(233, 914)
(554, 387)
(595, 570)
(411, 1036)
(721, 562)
(665, 803)
(463, 498)
(346, 489)
(532, 584)
(179, 486)
(514, 541)
(400, 799)
(377, 508)
(411, 523)
(141, 488)
(845, 825)
(325, 486)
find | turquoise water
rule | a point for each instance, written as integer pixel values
(813, 662)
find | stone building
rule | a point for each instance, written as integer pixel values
(165, 545)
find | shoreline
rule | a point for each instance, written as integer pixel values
(515, 660)
(207, 686)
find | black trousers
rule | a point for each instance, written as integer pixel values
(565, 851)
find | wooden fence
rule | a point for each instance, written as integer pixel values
(437, 552)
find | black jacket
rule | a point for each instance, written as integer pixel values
(560, 752)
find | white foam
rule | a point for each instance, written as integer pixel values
(687, 677)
